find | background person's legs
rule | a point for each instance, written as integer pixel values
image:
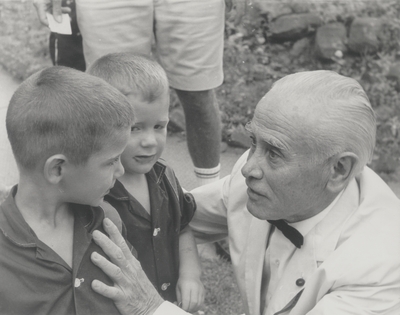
(189, 36)
(203, 132)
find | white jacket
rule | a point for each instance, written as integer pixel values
(352, 268)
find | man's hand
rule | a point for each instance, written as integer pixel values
(132, 293)
(52, 6)
(190, 293)
(240, 7)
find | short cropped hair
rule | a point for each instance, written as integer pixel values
(346, 120)
(132, 74)
(64, 111)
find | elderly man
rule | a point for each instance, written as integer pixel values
(311, 229)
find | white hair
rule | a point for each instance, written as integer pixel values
(346, 121)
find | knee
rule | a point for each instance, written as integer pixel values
(199, 101)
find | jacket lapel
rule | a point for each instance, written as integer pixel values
(254, 256)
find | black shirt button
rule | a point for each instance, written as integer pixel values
(300, 282)
(165, 286)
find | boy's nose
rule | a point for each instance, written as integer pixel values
(149, 139)
(119, 169)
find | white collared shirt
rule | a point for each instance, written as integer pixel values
(279, 252)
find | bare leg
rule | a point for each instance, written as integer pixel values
(203, 127)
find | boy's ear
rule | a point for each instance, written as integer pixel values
(54, 168)
(342, 169)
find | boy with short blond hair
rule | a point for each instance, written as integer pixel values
(148, 197)
(67, 131)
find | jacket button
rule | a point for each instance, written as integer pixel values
(156, 230)
(300, 282)
(78, 282)
(165, 286)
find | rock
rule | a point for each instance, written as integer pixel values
(294, 26)
(338, 54)
(273, 10)
(364, 35)
(177, 119)
(330, 41)
(299, 47)
(259, 72)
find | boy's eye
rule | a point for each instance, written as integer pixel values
(114, 161)
(134, 128)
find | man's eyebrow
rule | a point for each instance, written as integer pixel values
(275, 144)
(270, 141)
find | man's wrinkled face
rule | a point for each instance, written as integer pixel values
(282, 181)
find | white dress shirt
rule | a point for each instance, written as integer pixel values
(280, 250)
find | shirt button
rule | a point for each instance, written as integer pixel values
(78, 282)
(156, 230)
(165, 286)
(300, 282)
(277, 262)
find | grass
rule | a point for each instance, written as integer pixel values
(222, 295)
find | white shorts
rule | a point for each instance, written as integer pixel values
(188, 34)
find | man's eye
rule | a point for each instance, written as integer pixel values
(134, 128)
(272, 154)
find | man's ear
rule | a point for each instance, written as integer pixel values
(54, 168)
(342, 170)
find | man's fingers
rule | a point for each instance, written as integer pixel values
(117, 238)
(105, 290)
(112, 250)
(111, 270)
(57, 10)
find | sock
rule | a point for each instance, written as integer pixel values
(207, 175)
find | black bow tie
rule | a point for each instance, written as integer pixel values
(289, 231)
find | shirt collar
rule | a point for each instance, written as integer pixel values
(15, 228)
(306, 225)
(154, 175)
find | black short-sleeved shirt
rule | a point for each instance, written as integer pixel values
(35, 280)
(156, 237)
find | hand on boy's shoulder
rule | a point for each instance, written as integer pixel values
(111, 213)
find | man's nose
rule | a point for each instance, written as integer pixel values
(119, 169)
(252, 167)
